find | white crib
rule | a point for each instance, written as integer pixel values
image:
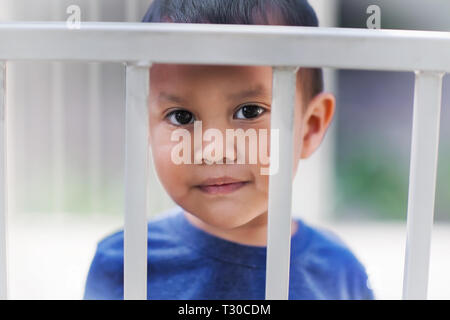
(285, 48)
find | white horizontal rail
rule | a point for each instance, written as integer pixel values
(422, 182)
(228, 44)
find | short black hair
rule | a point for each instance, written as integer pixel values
(257, 12)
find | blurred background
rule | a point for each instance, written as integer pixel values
(66, 155)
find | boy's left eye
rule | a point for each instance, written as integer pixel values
(249, 111)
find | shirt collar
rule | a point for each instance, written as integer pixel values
(210, 245)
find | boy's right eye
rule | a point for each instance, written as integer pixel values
(180, 117)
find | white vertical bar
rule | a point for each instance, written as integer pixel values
(136, 169)
(58, 143)
(422, 182)
(280, 184)
(95, 124)
(58, 135)
(3, 186)
(131, 11)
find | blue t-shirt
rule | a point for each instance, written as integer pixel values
(185, 262)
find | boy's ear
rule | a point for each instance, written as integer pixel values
(316, 120)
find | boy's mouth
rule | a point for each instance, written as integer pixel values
(221, 185)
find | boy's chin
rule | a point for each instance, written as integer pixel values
(226, 220)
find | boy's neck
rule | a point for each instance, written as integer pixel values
(253, 233)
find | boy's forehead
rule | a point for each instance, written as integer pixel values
(191, 75)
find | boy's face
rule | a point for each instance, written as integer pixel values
(221, 98)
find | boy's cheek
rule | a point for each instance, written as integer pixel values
(161, 150)
(174, 178)
(261, 183)
(162, 156)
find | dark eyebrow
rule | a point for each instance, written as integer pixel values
(171, 97)
(258, 90)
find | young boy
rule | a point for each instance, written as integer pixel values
(212, 245)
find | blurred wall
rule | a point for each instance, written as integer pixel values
(374, 124)
(66, 121)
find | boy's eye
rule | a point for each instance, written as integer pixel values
(180, 117)
(249, 111)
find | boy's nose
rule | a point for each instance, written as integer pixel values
(215, 151)
(211, 145)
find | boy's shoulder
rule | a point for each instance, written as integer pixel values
(324, 245)
(327, 256)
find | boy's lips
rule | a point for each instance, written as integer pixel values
(221, 185)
